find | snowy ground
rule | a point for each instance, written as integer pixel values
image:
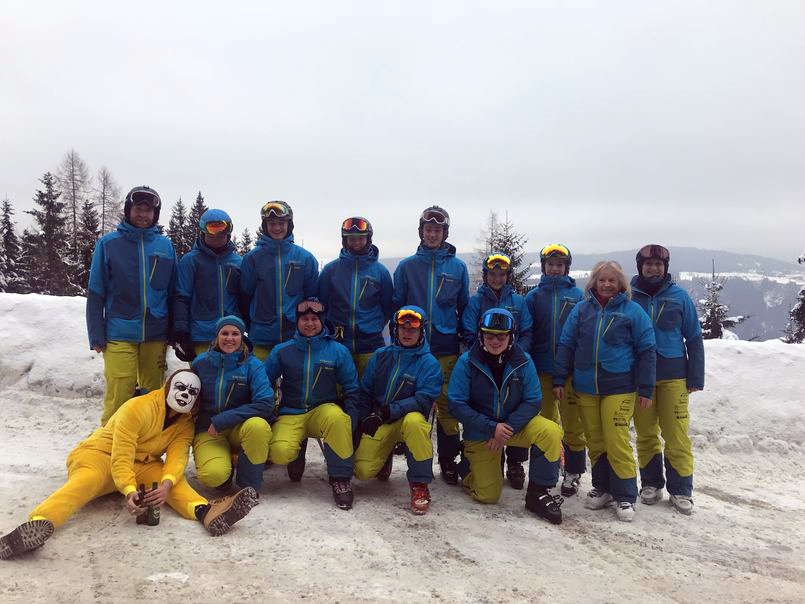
(743, 543)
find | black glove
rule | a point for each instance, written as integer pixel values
(183, 347)
(385, 413)
(371, 423)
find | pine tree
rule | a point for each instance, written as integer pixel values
(29, 267)
(193, 218)
(713, 314)
(795, 329)
(74, 182)
(502, 237)
(51, 258)
(177, 229)
(107, 199)
(10, 277)
(246, 242)
(87, 237)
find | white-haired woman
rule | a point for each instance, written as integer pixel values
(608, 341)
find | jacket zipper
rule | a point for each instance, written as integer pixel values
(280, 288)
(221, 287)
(662, 308)
(504, 383)
(145, 285)
(553, 325)
(228, 394)
(430, 301)
(220, 386)
(307, 376)
(393, 377)
(355, 300)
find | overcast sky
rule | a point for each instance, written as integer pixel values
(603, 125)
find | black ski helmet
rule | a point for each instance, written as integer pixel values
(142, 194)
(277, 209)
(556, 250)
(435, 215)
(356, 225)
(652, 250)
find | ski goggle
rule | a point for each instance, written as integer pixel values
(495, 322)
(554, 250)
(305, 306)
(435, 217)
(274, 209)
(500, 261)
(149, 198)
(358, 225)
(214, 227)
(654, 251)
(408, 317)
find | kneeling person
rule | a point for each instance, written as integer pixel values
(126, 452)
(494, 392)
(237, 404)
(398, 388)
(311, 365)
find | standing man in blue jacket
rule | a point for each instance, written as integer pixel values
(494, 392)
(129, 294)
(275, 276)
(438, 282)
(550, 304)
(356, 292)
(312, 365)
(496, 291)
(680, 371)
(207, 285)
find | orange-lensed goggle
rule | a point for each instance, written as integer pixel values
(214, 227)
(500, 261)
(359, 225)
(408, 317)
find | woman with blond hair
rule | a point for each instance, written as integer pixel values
(608, 341)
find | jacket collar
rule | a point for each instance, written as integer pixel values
(204, 248)
(363, 260)
(129, 231)
(275, 246)
(447, 251)
(667, 282)
(556, 281)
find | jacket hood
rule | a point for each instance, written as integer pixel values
(516, 355)
(204, 248)
(129, 231)
(666, 283)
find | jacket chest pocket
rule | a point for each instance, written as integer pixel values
(231, 279)
(369, 293)
(237, 391)
(160, 271)
(617, 330)
(405, 388)
(513, 392)
(447, 290)
(323, 378)
(294, 279)
(565, 306)
(669, 315)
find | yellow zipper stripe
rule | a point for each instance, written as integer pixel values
(430, 300)
(662, 308)
(220, 385)
(307, 376)
(228, 394)
(355, 303)
(221, 287)
(316, 380)
(279, 289)
(393, 377)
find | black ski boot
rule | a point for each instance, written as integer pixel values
(447, 468)
(385, 471)
(516, 474)
(539, 501)
(297, 467)
(342, 492)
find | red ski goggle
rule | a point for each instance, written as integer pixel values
(358, 225)
(408, 318)
(214, 227)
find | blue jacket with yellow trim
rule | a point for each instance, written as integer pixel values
(274, 277)
(130, 286)
(610, 350)
(549, 304)
(475, 400)
(402, 379)
(310, 369)
(438, 282)
(207, 288)
(234, 388)
(484, 299)
(680, 350)
(356, 292)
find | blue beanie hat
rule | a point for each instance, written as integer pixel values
(230, 320)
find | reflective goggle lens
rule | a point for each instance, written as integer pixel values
(355, 224)
(216, 226)
(274, 209)
(497, 323)
(410, 318)
(654, 251)
(555, 250)
(498, 261)
(309, 306)
(435, 217)
(145, 197)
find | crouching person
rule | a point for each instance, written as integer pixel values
(126, 452)
(237, 403)
(311, 365)
(398, 389)
(494, 392)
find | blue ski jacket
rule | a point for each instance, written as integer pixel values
(207, 289)
(483, 300)
(438, 282)
(475, 400)
(274, 277)
(131, 282)
(610, 350)
(680, 350)
(401, 379)
(549, 304)
(311, 368)
(356, 292)
(234, 387)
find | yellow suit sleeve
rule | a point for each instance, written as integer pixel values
(130, 422)
(177, 453)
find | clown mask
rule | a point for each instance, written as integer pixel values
(183, 390)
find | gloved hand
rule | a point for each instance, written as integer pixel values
(384, 412)
(183, 347)
(371, 423)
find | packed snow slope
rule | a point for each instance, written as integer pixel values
(743, 543)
